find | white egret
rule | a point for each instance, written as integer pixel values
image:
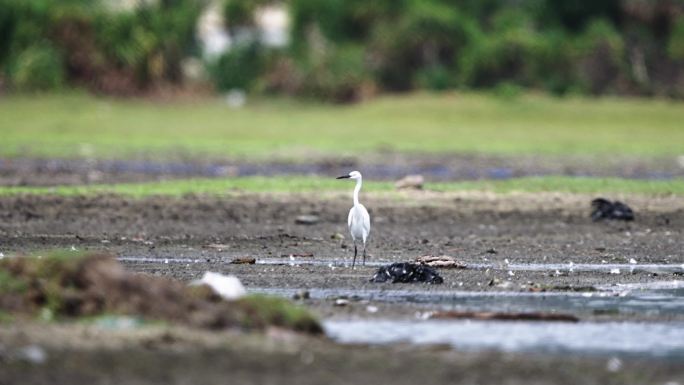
(358, 220)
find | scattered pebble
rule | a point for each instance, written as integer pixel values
(337, 236)
(372, 309)
(632, 261)
(614, 364)
(304, 294)
(217, 246)
(306, 220)
(243, 261)
(33, 354)
(614, 271)
(341, 302)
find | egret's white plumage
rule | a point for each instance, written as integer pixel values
(358, 219)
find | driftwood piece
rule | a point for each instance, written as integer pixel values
(500, 316)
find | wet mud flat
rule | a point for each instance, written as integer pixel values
(383, 165)
(525, 252)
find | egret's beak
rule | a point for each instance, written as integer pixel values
(343, 177)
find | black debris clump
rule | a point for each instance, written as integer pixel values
(605, 209)
(406, 272)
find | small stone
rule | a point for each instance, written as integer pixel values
(614, 364)
(442, 261)
(341, 302)
(217, 246)
(34, 354)
(491, 251)
(304, 294)
(243, 261)
(372, 309)
(337, 236)
(306, 220)
(414, 182)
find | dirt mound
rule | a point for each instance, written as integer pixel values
(67, 284)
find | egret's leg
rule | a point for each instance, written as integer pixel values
(364, 253)
(354, 261)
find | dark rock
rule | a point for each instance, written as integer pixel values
(304, 294)
(406, 272)
(605, 209)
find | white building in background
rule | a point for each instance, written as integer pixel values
(274, 25)
(272, 22)
(212, 32)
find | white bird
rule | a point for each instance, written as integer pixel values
(358, 220)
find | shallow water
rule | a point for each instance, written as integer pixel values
(656, 299)
(613, 268)
(639, 300)
(614, 338)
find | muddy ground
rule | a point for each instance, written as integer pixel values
(375, 166)
(183, 237)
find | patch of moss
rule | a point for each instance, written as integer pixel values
(261, 311)
(5, 317)
(45, 279)
(70, 285)
(11, 284)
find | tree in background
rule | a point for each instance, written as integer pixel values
(347, 50)
(45, 43)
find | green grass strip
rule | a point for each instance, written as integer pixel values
(77, 125)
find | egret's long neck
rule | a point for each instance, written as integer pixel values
(356, 192)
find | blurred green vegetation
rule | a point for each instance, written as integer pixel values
(348, 50)
(311, 184)
(45, 44)
(506, 123)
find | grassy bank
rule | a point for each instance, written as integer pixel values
(76, 125)
(282, 184)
